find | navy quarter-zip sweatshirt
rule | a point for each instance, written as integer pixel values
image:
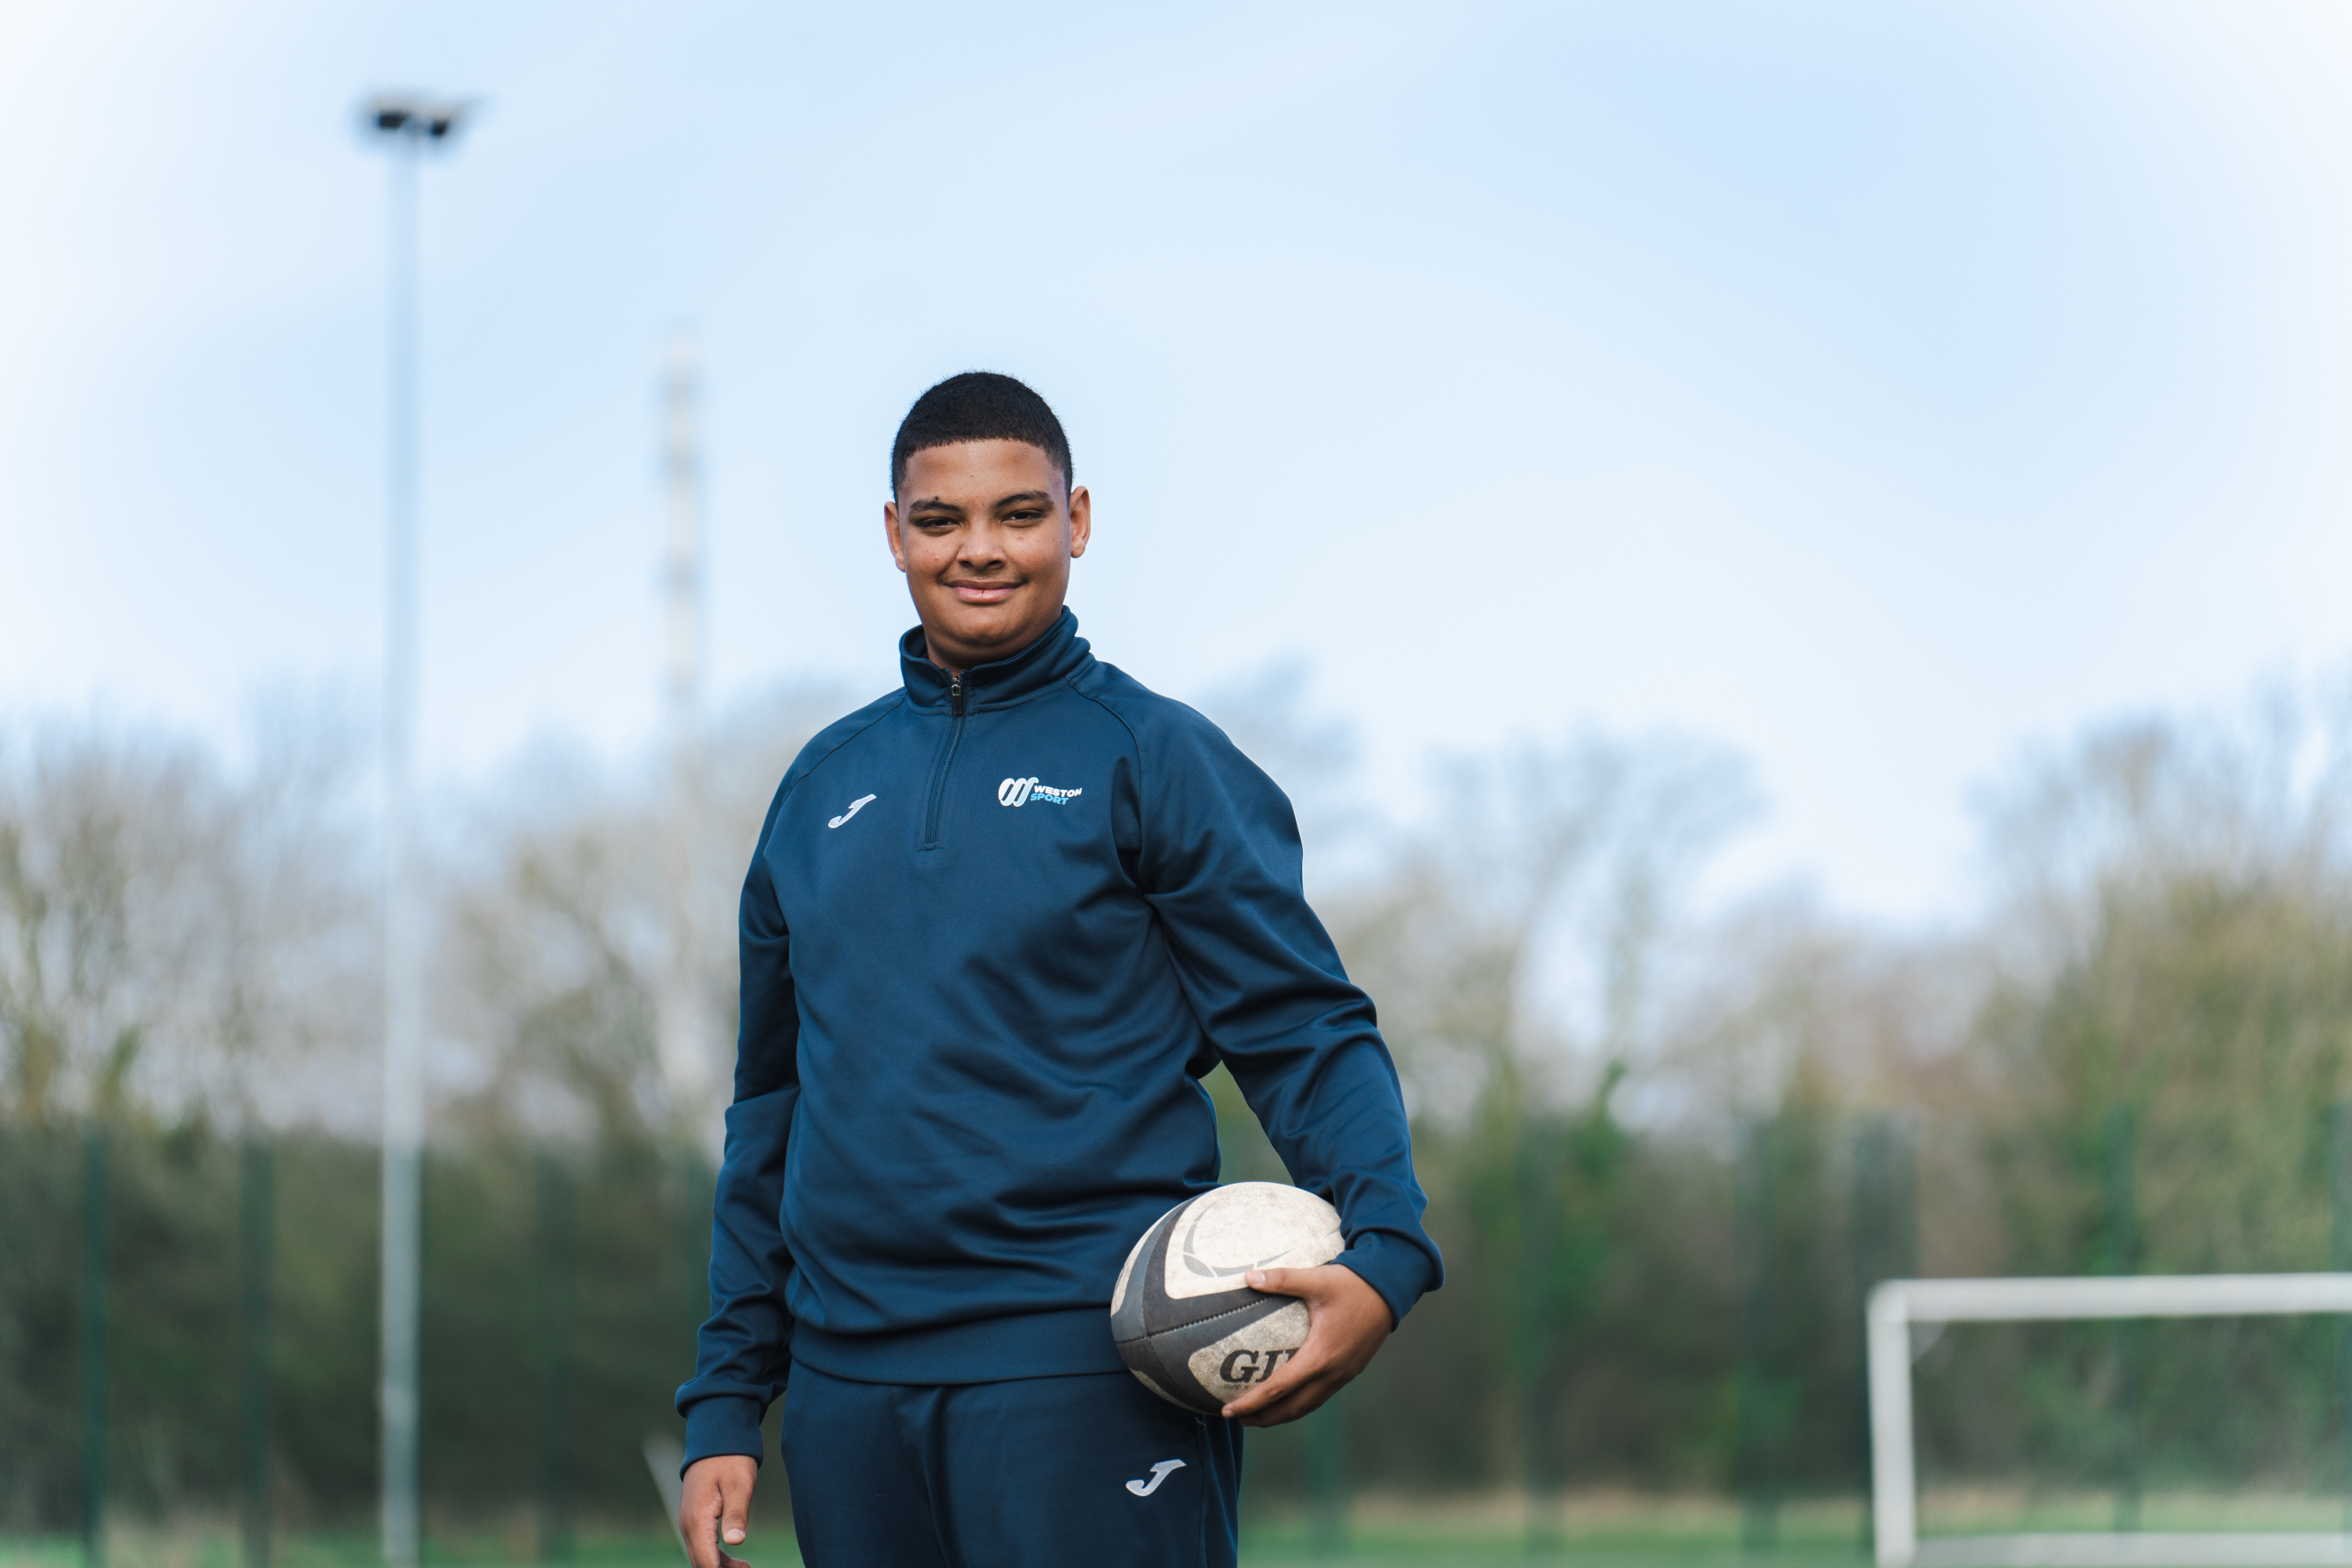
(997, 928)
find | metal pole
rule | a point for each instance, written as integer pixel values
(1758, 1426)
(683, 1031)
(682, 531)
(409, 122)
(690, 1238)
(2339, 1191)
(1538, 1174)
(1327, 1478)
(2123, 1342)
(256, 1216)
(1868, 1220)
(553, 1280)
(93, 1346)
(403, 1086)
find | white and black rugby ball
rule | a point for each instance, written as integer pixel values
(1184, 1322)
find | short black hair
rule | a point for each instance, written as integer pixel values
(979, 405)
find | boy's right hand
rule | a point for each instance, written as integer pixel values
(714, 1508)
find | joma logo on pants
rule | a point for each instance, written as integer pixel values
(1241, 1364)
(1021, 791)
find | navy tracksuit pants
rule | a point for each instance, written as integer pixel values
(1038, 1472)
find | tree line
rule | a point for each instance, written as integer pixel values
(1668, 1140)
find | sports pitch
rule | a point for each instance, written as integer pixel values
(1607, 1533)
(1602, 1532)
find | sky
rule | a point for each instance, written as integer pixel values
(1876, 390)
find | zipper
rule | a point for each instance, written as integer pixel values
(947, 761)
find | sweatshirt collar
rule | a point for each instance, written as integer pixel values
(1058, 653)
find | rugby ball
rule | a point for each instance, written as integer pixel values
(1184, 1322)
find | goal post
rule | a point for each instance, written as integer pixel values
(1897, 1304)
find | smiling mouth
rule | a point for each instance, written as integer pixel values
(983, 593)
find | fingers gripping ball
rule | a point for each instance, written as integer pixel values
(1184, 1322)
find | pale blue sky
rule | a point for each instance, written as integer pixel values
(1876, 389)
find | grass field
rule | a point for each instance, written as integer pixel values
(1428, 1547)
(1606, 1531)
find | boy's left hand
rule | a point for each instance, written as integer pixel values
(1345, 1322)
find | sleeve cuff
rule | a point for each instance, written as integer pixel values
(723, 1424)
(1400, 1273)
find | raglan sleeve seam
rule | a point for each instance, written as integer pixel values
(1142, 804)
(804, 769)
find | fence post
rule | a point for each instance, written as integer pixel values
(2339, 1192)
(256, 1211)
(691, 1238)
(1327, 1478)
(552, 1294)
(93, 1345)
(1752, 1246)
(2123, 1258)
(1539, 1155)
(1885, 1223)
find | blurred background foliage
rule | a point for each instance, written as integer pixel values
(1669, 1133)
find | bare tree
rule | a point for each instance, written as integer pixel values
(557, 930)
(172, 931)
(1516, 945)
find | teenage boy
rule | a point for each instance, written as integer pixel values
(998, 925)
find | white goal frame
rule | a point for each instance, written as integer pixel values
(1897, 1304)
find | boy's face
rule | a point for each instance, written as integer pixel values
(986, 536)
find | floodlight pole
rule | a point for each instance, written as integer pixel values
(404, 1074)
(406, 123)
(683, 1029)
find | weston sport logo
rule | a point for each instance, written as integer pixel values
(1021, 791)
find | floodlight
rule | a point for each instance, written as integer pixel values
(409, 113)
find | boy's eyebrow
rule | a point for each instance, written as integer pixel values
(1018, 498)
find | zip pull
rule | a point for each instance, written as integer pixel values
(955, 696)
